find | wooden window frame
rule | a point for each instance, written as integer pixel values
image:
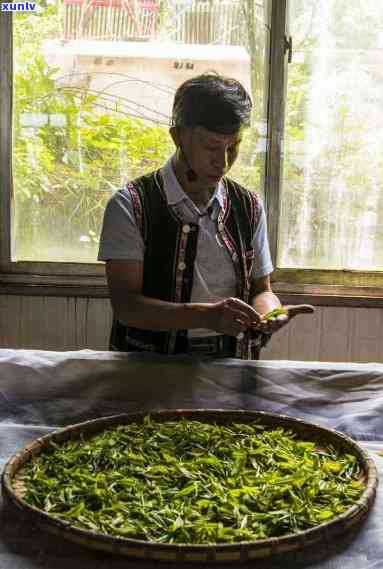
(327, 287)
(24, 277)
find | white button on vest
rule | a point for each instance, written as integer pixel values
(181, 266)
(186, 228)
(220, 226)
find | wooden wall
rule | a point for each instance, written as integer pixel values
(53, 323)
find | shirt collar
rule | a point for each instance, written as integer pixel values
(175, 194)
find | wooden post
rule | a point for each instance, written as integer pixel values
(6, 192)
(275, 122)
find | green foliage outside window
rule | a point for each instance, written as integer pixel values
(66, 173)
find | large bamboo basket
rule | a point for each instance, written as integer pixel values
(306, 544)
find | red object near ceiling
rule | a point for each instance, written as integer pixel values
(148, 5)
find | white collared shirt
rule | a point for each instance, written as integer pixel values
(214, 275)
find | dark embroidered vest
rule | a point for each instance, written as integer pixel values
(170, 251)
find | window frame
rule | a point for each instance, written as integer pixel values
(333, 287)
(29, 277)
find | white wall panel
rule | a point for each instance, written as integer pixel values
(335, 334)
(366, 334)
(64, 323)
(10, 321)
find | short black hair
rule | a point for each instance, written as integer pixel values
(217, 103)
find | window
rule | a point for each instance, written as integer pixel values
(331, 199)
(332, 196)
(93, 84)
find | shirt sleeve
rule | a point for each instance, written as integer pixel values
(262, 259)
(120, 237)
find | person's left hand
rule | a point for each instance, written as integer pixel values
(269, 325)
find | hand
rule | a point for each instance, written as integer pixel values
(232, 316)
(274, 323)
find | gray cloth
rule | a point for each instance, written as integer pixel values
(43, 390)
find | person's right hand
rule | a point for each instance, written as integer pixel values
(231, 316)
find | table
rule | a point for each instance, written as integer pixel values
(41, 391)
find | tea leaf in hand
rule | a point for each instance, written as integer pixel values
(274, 313)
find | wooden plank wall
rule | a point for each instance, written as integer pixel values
(53, 323)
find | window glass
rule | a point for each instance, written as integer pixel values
(94, 82)
(332, 198)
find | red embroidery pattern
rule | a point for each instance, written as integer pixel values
(242, 345)
(160, 184)
(248, 260)
(255, 208)
(248, 266)
(137, 207)
(179, 261)
(180, 265)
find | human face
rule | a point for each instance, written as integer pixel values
(209, 154)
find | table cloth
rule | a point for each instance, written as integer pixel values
(41, 391)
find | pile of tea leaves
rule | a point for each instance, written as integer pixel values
(192, 482)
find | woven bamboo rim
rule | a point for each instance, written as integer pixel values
(305, 544)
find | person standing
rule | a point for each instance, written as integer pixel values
(186, 250)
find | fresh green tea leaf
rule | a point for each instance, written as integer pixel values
(193, 482)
